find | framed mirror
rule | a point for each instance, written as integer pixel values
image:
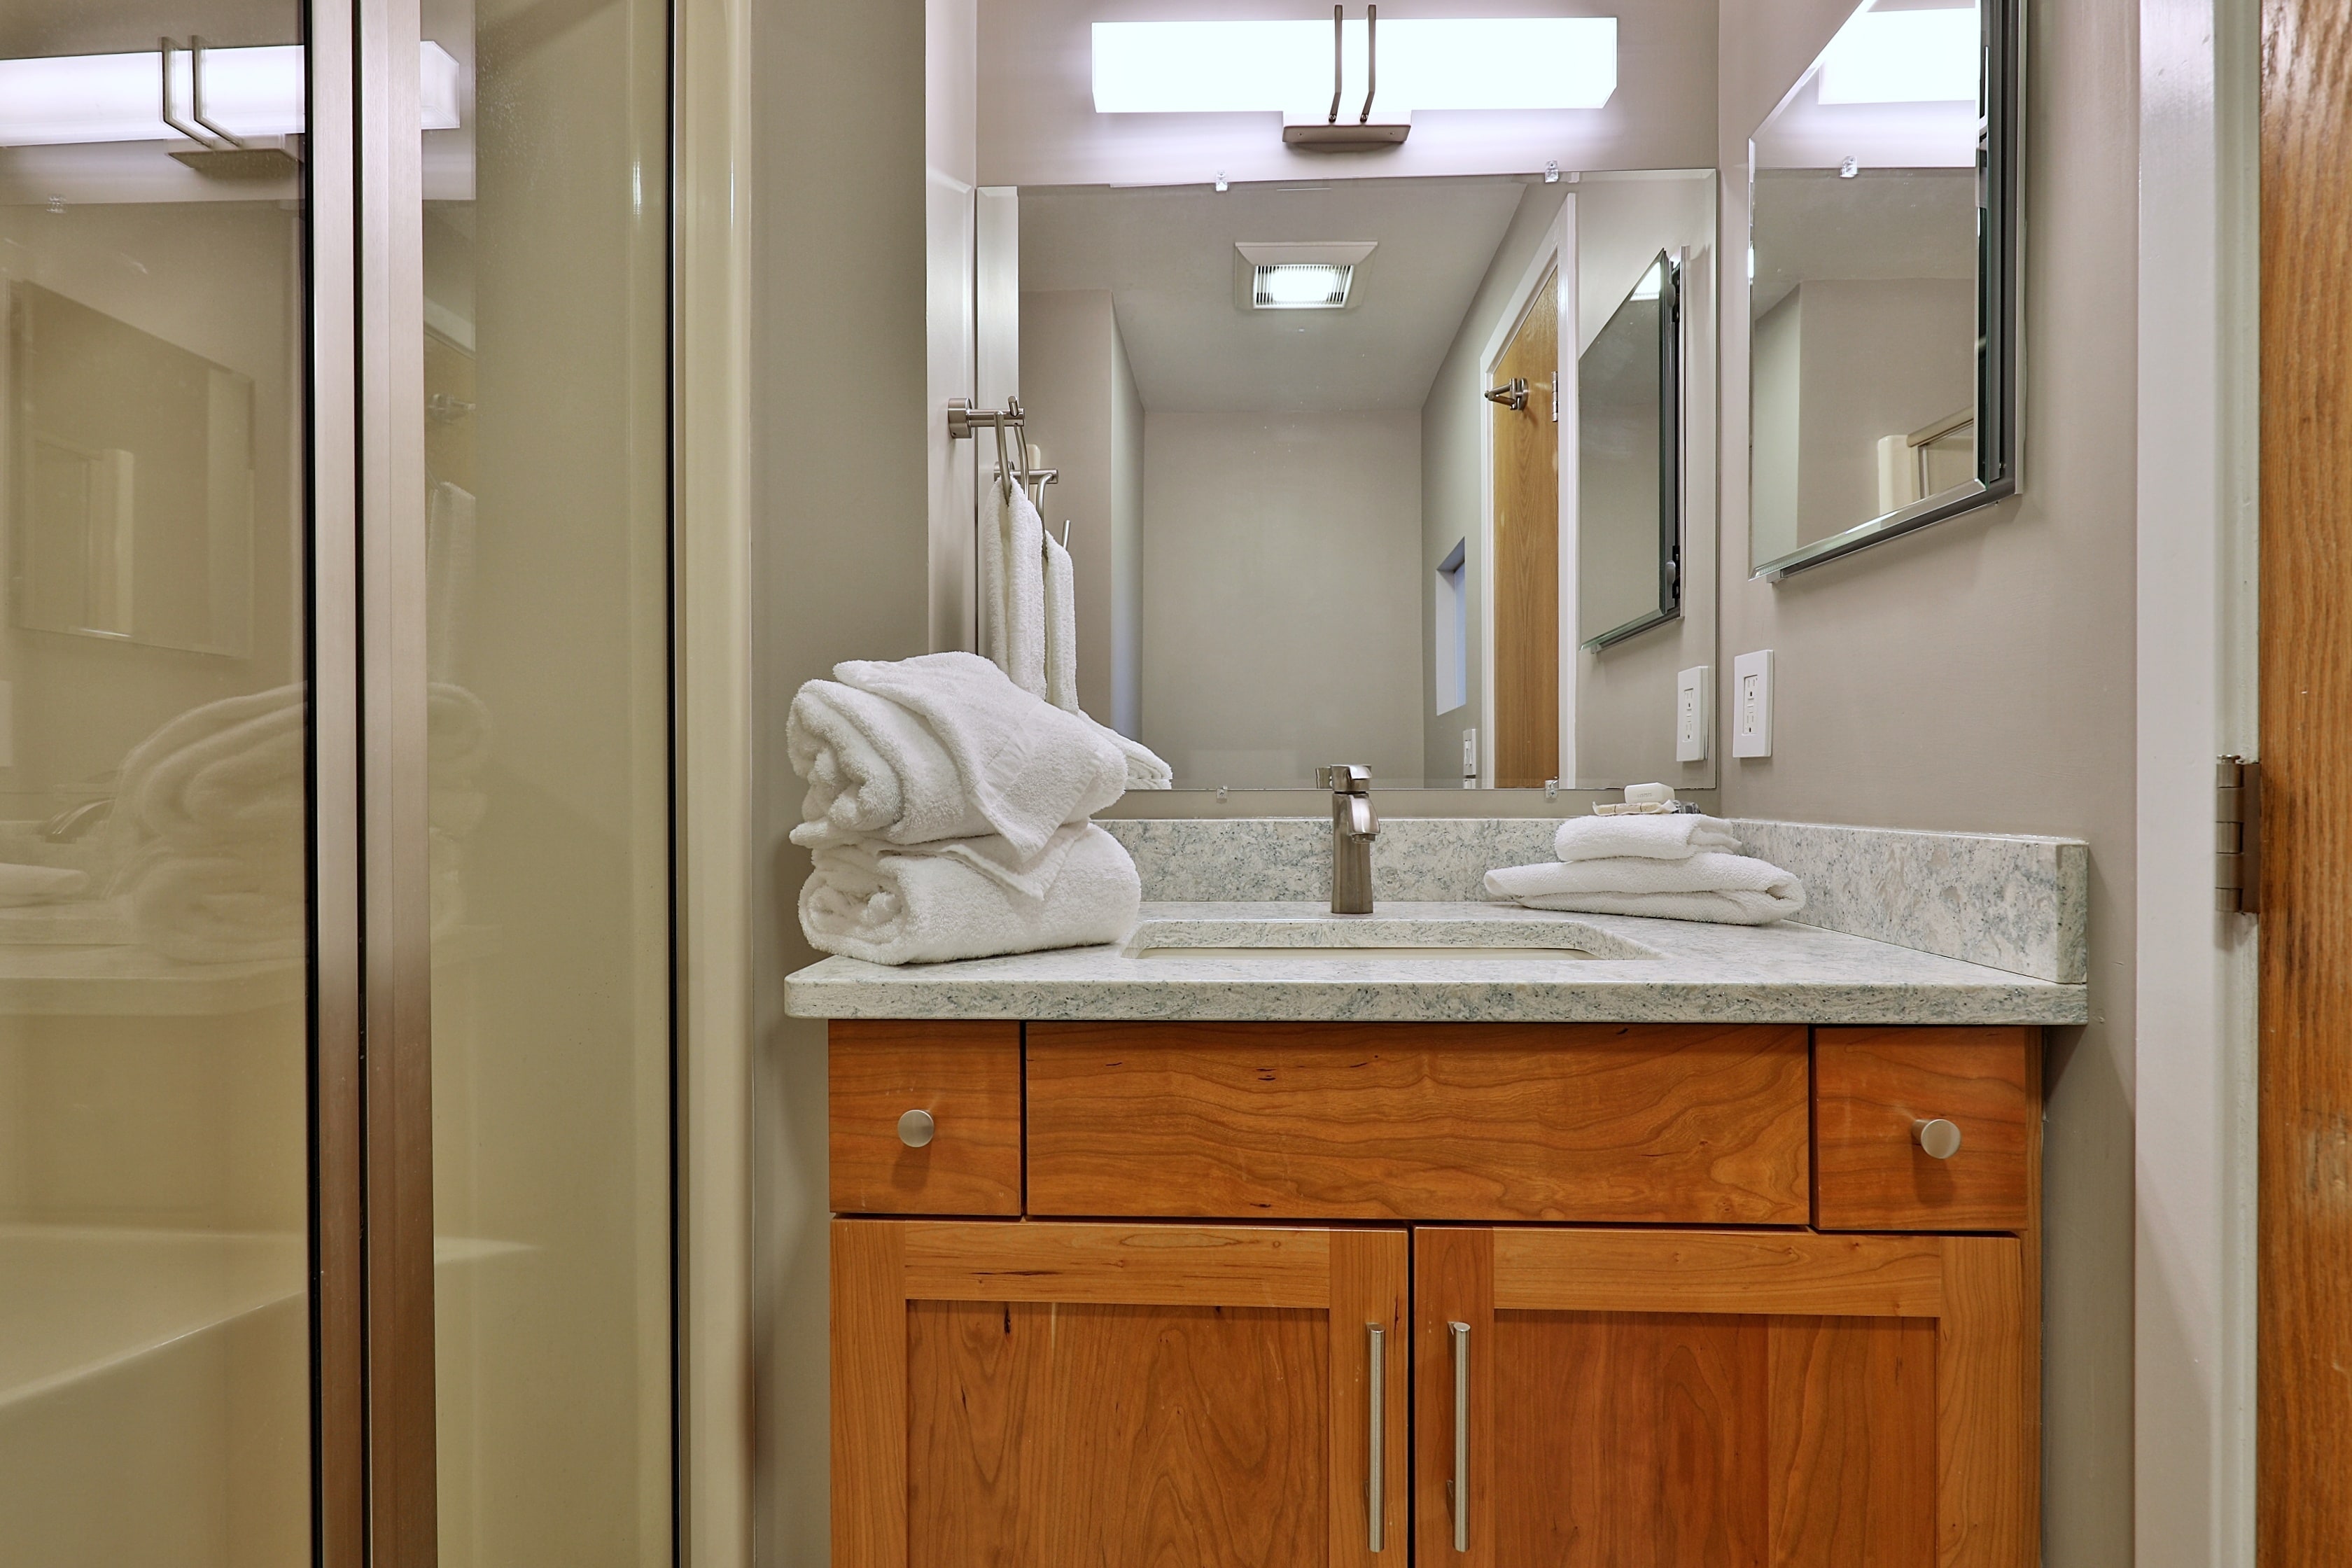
(1883, 263)
(1629, 466)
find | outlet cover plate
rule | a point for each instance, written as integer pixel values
(1692, 698)
(1751, 704)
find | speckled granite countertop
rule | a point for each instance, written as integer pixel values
(1639, 971)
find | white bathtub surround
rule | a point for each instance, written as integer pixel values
(1728, 889)
(1649, 972)
(2002, 900)
(890, 906)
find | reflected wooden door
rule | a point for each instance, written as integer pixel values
(1527, 553)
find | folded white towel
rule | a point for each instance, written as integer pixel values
(888, 906)
(1730, 890)
(1026, 768)
(1061, 627)
(1024, 595)
(873, 769)
(1651, 838)
(1145, 770)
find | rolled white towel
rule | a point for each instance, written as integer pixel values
(1728, 889)
(873, 770)
(1026, 767)
(1650, 838)
(887, 906)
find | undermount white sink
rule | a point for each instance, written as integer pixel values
(1381, 936)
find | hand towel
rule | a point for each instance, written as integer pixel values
(1651, 838)
(1024, 595)
(1026, 767)
(885, 906)
(1061, 629)
(994, 516)
(873, 769)
(1730, 890)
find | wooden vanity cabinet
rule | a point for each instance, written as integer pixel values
(1696, 1294)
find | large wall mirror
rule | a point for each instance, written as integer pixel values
(1385, 436)
(1883, 294)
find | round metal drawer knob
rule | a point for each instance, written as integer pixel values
(915, 1128)
(1939, 1137)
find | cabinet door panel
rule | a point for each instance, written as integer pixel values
(1868, 1408)
(1023, 1396)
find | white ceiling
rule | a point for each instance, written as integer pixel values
(1166, 255)
(1884, 222)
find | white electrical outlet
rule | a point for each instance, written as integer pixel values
(1691, 704)
(1469, 753)
(1751, 704)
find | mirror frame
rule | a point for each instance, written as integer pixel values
(1669, 266)
(2001, 266)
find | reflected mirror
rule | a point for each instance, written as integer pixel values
(1328, 494)
(1629, 462)
(1882, 283)
(134, 502)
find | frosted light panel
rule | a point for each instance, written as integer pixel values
(1904, 56)
(1165, 67)
(250, 92)
(1302, 286)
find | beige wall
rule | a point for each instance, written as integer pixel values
(839, 552)
(1280, 602)
(1980, 674)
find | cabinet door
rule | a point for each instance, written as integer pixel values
(1718, 1399)
(1026, 1395)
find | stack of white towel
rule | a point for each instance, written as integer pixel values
(208, 824)
(1029, 622)
(1682, 867)
(948, 812)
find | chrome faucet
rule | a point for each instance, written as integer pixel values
(1354, 826)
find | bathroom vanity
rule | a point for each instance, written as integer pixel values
(1621, 1247)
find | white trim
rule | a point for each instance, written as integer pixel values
(2193, 1324)
(1559, 248)
(713, 685)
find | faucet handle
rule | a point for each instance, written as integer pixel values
(1345, 778)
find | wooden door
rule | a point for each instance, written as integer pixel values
(1527, 553)
(1021, 1395)
(1723, 1399)
(2304, 1401)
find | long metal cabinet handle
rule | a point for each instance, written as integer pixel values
(1460, 1335)
(1377, 1449)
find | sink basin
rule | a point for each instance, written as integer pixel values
(1380, 937)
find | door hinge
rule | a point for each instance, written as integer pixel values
(2237, 837)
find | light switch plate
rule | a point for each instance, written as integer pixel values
(1691, 705)
(1751, 704)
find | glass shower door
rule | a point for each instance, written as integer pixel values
(155, 1391)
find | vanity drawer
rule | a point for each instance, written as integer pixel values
(965, 1077)
(1603, 1123)
(1871, 1088)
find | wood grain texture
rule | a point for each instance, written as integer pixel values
(1054, 1435)
(1871, 1085)
(1986, 1442)
(967, 1075)
(869, 1396)
(1526, 553)
(1133, 1265)
(1371, 1276)
(1852, 1468)
(1655, 1124)
(2303, 1400)
(1773, 1272)
(1452, 1281)
(1629, 1437)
